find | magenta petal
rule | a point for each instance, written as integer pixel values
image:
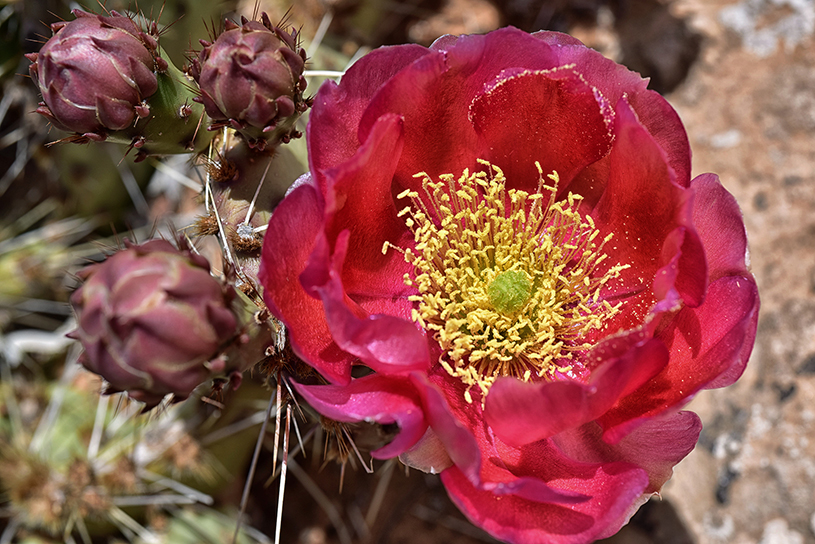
(513, 408)
(509, 471)
(373, 398)
(332, 134)
(439, 136)
(459, 442)
(663, 123)
(286, 247)
(639, 205)
(615, 82)
(385, 343)
(549, 104)
(685, 275)
(361, 189)
(657, 445)
(709, 347)
(514, 519)
(718, 220)
(642, 206)
(486, 56)
(475, 452)
(360, 200)
(414, 94)
(735, 347)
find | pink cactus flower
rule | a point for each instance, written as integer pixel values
(94, 74)
(153, 321)
(504, 230)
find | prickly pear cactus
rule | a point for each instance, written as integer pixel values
(158, 322)
(74, 465)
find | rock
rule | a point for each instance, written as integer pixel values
(777, 532)
(749, 115)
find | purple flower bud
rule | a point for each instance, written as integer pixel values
(252, 76)
(152, 320)
(94, 74)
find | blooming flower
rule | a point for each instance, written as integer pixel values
(153, 320)
(504, 230)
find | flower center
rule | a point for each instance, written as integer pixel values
(509, 283)
(509, 291)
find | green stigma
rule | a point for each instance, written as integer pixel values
(509, 291)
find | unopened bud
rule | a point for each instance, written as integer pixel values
(151, 319)
(95, 73)
(251, 78)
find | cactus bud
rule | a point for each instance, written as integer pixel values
(95, 73)
(103, 78)
(251, 78)
(154, 321)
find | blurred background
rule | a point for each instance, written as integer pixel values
(742, 76)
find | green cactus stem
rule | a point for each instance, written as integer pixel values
(176, 124)
(245, 186)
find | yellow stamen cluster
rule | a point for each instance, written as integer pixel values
(509, 282)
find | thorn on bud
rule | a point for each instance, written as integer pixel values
(217, 365)
(143, 109)
(185, 111)
(149, 41)
(236, 379)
